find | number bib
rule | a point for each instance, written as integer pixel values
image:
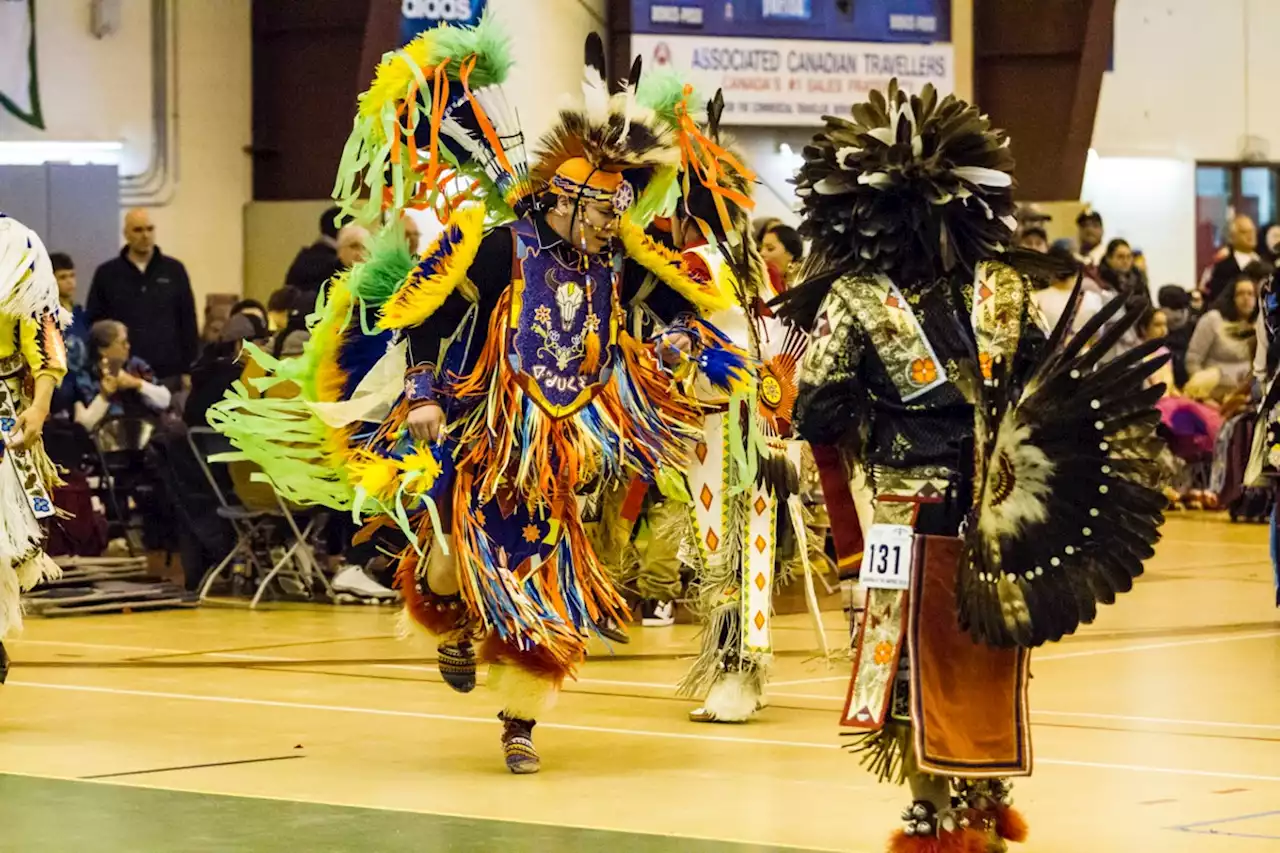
(887, 558)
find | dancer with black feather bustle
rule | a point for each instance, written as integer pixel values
(1010, 467)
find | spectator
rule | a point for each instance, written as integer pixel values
(1241, 250)
(783, 248)
(1034, 239)
(1269, 249)
(149, 293)
(287, 311)
(1052, 300)
(761, 225)
(251, 307)
(1220, 354)
(352, 242)
(315, 264)
(412, 234)
(1089, 239)
(75, 336)
(1117, 271)
(64, 270)
(1175, 304)
(219, 365)
(115, 382)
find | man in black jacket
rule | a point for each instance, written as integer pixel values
(315, 264)
(150, 293)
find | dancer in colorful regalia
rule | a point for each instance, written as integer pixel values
(471, 397)
(32, 364)
(740, 486)
(1010, 467)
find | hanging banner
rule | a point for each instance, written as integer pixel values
(417, 16)
(19, 91)
(795, 81)
(921, 21)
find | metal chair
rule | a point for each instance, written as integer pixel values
(255, 525)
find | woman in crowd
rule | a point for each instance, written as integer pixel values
(1052, 300)
(782, 249)
(1117, 270)
(1220, 353)
(113, 382)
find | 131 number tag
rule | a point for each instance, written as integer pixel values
(886, 560)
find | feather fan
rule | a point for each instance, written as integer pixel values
(1066, 511)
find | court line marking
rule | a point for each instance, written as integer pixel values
(1202, 827)
(241, 761)
(403, 810)
(1208, 641)
(457, 718)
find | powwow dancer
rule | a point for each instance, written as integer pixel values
(1010, 473)
(32, 364)
(509, 389)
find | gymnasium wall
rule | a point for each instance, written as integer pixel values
(1192, 79)
(100, 90)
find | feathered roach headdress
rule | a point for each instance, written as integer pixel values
(912, 187)
(435, 129)
(611, 147)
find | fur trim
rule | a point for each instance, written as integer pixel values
(524, 695)
(441, 618)
(734, 697)
(670, 268)
(1011, 825)
(442, 269)
(964, 841)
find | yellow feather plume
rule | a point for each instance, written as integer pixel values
(394, 74)
(443, 269)
(670, 268)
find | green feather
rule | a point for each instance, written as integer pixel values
(659, 197)
(486, 41)
(662, 91)
(390, 263)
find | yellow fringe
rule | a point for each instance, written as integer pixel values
(443, 269)
(670, 268)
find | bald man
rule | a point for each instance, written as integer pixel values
(151, 294)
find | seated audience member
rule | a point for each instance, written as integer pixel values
(1052, 300)
(113, 383)
(783, 249)
(1117, 270)
(1175, 303)
(1034, 239)
(251, 307)
(315, 264)
(1220, 353)
(220, 365)
(287, 311)
(1233, 259)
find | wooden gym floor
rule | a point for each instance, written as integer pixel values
(313, 729)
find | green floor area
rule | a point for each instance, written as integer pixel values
(53, 816)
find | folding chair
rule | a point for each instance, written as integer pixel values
(256, 524)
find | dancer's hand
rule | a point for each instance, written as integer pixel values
(28, 427)
(676, 346)
(426, 422)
